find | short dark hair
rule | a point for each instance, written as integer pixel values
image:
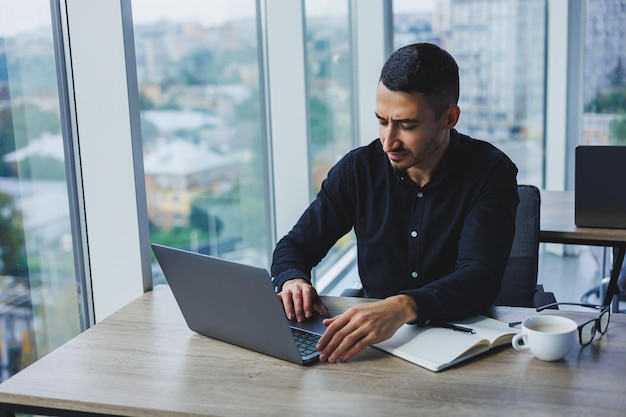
(424, 68)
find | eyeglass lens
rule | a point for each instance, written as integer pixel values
(588, 330)
(604, 321)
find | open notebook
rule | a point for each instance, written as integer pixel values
(438, 348)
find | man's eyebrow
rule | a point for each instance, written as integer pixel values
(398, 120)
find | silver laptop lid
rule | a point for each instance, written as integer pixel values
(228, 301)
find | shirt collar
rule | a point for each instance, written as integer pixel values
(445, 164)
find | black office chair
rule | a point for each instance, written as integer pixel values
(519, 285)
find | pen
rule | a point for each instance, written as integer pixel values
(454, 327)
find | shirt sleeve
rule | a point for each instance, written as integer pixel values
(328, 218)
(484, 248)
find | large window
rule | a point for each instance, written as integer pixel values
(40, 307)
(202, 127)
(329, 85)
(604, 79)
(500, 48)
(331, 98)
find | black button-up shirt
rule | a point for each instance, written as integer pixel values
(445, 244)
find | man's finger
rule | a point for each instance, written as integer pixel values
(307, 301)
(334, 336)
(329, 333)
(287, 303)
(349, 352)
(321, 309)
(343, 348)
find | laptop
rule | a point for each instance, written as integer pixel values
(236, 303)
(600, 186)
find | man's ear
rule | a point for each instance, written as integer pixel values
(451, 116)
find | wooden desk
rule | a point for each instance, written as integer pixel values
(143, 361)
(557, 226)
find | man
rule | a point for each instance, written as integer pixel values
(433, 213)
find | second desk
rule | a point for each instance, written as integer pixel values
(558, 226)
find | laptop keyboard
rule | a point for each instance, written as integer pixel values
(305, 341)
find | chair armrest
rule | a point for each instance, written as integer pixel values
(353, 292)
(543, 297)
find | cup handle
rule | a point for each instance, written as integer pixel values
(520, 341)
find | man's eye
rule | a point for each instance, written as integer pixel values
(409, 126)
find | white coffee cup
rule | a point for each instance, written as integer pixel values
(548, 337)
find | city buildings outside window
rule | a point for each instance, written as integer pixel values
(202, 127)
(604, 85)
(40, 303)
(500, 48)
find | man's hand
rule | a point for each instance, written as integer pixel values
(364, 325)
(300, 300)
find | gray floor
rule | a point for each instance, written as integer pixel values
(569, 276)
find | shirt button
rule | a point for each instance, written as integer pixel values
(413, 233)
(420, 194)
(414, 274)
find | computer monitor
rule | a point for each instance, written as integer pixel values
(600, 186)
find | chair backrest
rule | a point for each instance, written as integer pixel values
(520, 278)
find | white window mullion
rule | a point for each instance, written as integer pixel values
(107, 159)
(564, 95)
(287, 109)
(371, 31)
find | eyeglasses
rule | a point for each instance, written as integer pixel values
(587, 331)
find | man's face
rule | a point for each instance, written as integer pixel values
(410, 134)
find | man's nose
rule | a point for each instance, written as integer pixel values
(388, 137)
